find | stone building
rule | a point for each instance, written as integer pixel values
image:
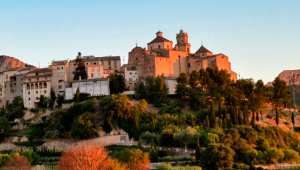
(35, 84)
(131, 77)
(60, 70)
(161, 58)
(108, 64)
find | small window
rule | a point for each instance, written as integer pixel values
(36, 98)
(150, 68)
(115, 62)
(130, 79)
(45, 91)
(37, 92)
(36, 74)
(98, 69)
(62, 68)
(158, 46)
(181, 41)
(95, 63)
(58, 68)
(189, 65)
(102, 62)
(135, 73)
(130, 73)
(29, 98)
(115, 67)
(60, 86)
(74, 64)
(109, 67)
(29, 92)
(6, 76)
(92, 70)
(109, 62)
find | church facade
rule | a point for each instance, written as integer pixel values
(162, 58)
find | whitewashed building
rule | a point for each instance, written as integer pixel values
(95, 87)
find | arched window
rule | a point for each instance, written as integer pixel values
(158, 46)
(32, 86)
(41, 85)
(36, 86)
(28, 87)
(45, 85)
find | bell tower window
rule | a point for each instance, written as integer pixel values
(158, 46)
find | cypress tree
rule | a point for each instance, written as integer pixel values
(77, 95)
(219, 108)
(240, 117)
(253, 118)
(277, 116)
(198, 150)
(257, 117)
(293, 118)
(207, 122)
(212, 115)
(153, 152)
(245, 116)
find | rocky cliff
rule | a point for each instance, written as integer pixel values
(286, 74)
(7, 62)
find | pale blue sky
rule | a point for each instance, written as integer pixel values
(261, 37)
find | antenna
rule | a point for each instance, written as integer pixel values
(136, 43)
(201, 42)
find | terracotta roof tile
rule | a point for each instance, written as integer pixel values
(159, 39)
(202, 49)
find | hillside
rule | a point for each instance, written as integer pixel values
(7, 62)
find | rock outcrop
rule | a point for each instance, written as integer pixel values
(286, 74)
(7, 62)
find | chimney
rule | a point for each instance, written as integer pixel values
(79, 78)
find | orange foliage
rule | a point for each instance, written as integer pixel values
(88, 156)
(18, 163)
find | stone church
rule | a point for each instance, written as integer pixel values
(162, 58)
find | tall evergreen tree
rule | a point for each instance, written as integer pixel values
(198, 150)
(181, 86)
(80, 69)
(212, 114)
(207, 122)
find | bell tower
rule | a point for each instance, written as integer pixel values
(183, 41)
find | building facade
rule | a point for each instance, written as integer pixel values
(161, 58)
(95, 87)
(35, 84)
(60, 70)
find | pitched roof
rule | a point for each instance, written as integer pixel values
(159, 39)
(202, 49)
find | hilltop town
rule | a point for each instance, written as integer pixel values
(168, 108)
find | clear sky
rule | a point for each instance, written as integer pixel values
(261, 37)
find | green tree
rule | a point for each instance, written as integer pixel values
(217, 156)
(140, 90)
(52, 95)
(4, 128)
(60, 100)
(280, 94)
(198, 150)
(167, 137)
(15, 109)
(80, 69)
(194, 79)
(117, 84)
(77, 95)
(83, 127)
(153, 152)
(181, 86)
(187, 136)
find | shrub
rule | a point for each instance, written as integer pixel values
(83, 127)
(32, 157)
(291, 156)
(4, 158)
